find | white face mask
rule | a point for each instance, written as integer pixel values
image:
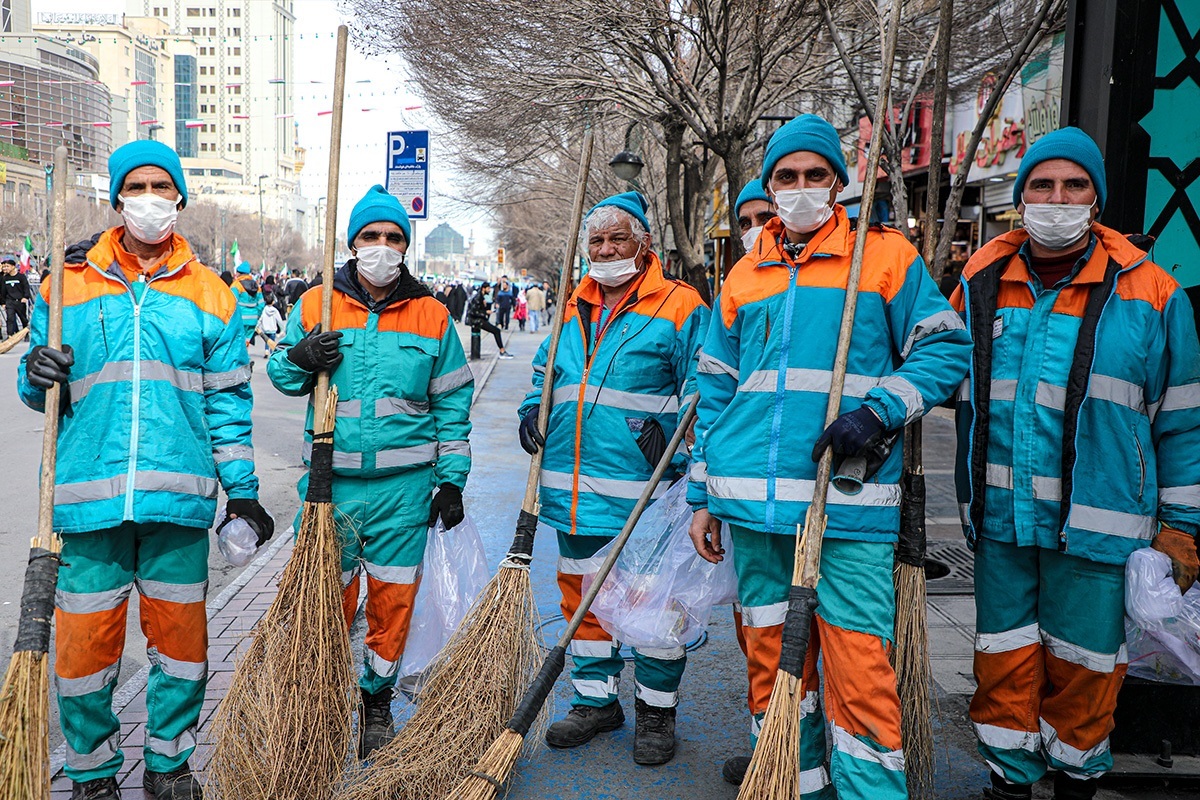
(1056, 226)
(614, 273)
(750, 237)
(148, 217)
(803, 210)
(379, 264)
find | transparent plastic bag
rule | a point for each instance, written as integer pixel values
(661, 593)
(454, 572)
(1162, 627)
(237, 540)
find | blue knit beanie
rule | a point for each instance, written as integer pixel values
(630, 202)
(805, 132)
(378, 206)
(143, 153)
(751, 191)
(243, 268)
(1073, 145)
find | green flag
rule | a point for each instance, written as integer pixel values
(233, 254)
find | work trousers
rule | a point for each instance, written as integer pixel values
(1049, 660)
(169, 566)
(383, 524)
(852, 634)
(596, 662)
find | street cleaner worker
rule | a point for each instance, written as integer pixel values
(1078, 429)
(753, 210)
(764, 377)
(401, 450)
(155, 417)
(249, 299)
(624, 372)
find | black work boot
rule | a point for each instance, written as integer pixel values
(734, 770)
(582, 723)
(375, 723)
(98, 789)
(1003, 790)
(178, 784)
(654, 734)
(1068, 788)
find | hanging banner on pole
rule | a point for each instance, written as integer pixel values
(408, 171)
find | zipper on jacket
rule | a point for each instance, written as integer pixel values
(780, 391)
(136, 388)
(1141, 465)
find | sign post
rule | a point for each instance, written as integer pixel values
(408, 175)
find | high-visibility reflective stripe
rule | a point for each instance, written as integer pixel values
(964, 513)
(404, 456)
(715, 366)
(999, 476)
(1050, 396)
(78, 687)
(1180, 495)
(173, 592)
(914, 403)
(398, 575)
(98, 757)
(1178, 398)
(451, 380)
(237, 452)
(595, 688)
(454, 449)
(1061, 751)
(579, 566)
(172, 748)
(698, 472)
(662, 653)
(1115, 390)
(940, 322)
(380, 665)
(387, 406)
(216, 381)
(764, 616)
(1114, 523)
(1007, 641)
(849, 744)
(807, 380)
(653, 697)
(606, 487)
(590, 648)
(756, 723)
(122, 372)
(88, 491)
(1007, 738)
(801, 491)
(346, 409)
(1046, 488)
(963, 393)
(813, 780)
(91, 602)
(614, 398)
(1089, 659)
(808, 704)
(184, 670)
(540, 369)
(148, 481)
(341, 459)
(1004, 390)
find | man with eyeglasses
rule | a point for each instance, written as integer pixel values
(401, 442)
(1078, 426)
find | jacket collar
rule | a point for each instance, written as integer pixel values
(345, 280)
(110, 256)
(834, 238)
(651, 281)
(1105, 243)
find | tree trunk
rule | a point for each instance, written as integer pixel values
(691, 254)
(937, 141)
(736, 176)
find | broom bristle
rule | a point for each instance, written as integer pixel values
(774, 771)
(472, 691)
(914, 679)
(24, 728)
(484, 781)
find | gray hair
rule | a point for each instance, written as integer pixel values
(608, 217)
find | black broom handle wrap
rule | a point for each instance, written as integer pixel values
(797, 627)
(37, 602)
(538, 691)
(522, 544)
(320, 470)
(911, 548)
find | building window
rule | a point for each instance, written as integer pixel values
(235, 32)
(193, 31)
(212, 12)
(237, 51)
(191, 12)
(204, 147)
(237, 128)
(236, 12)
(235, 70)
(237, 148)
(212, 31)
(237, 89)
(203, 89)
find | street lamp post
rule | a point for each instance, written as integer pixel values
(627, 164)
(322, 208)
(262, 238)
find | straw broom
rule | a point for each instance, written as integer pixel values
(484, 782)
(25, 696)
(774, 771)
(11, 342)
(284, 727)
(476, 680)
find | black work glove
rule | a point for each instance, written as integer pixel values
(850, 434)
(47, 366)
(653, 441)
(448, 505)
(255, 515)
(317, 352)
(77, 253)
(531, 437)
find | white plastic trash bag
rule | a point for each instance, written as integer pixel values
(237, 541)
(1162, 627)
(455, 570)
(661, 593)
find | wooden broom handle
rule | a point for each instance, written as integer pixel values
(54, 340)
(331, 205)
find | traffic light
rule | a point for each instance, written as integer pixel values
(500, 255)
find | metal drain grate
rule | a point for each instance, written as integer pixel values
(960, 560)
